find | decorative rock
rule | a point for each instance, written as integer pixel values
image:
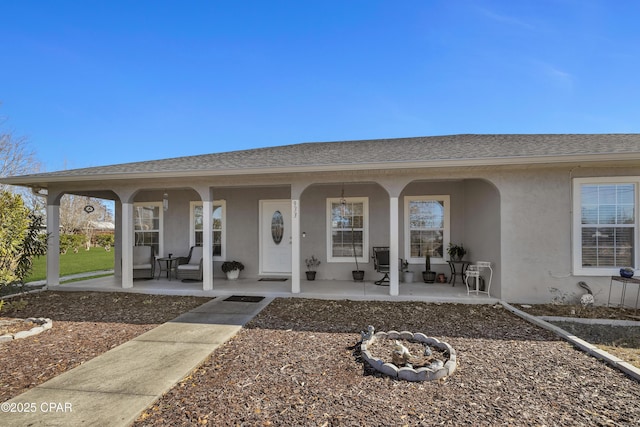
(436, 364)
(406, 335)
(389, 369)
(420, 337)
(393, 335)
(44, 324)
(431, 341)
(410, 374)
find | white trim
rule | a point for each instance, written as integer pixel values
(160, 223)
(446, 233)
(576, 219)
(364, 259)
(192, 226)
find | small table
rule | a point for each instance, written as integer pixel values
(624, 281)
(169, 266)
(455, 272)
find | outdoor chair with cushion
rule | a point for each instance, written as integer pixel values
(191, 267)
(143, 262)
(381, 263)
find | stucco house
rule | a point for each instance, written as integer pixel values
(546, 210)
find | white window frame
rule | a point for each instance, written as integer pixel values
(192, 226)
(446, 233)
(160, 224)
(578, 269)
(364, 259)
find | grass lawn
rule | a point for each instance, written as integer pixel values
(95, 259)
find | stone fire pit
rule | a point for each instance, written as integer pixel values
(415, 357)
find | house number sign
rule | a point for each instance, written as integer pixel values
(277, 227)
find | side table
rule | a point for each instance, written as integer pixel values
(170, 264)
(455, 272)
(624, 281)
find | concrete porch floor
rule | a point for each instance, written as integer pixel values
(318, 289)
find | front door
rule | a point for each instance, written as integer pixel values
(275, 237)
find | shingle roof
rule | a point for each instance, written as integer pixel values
(380, 151)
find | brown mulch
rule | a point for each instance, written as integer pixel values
(85, 325)
(297, 363)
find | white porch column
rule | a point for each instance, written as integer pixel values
(127, 245)
(295, 246)
(117, 241)
(53, 244)
(394, 275)
(207, 243)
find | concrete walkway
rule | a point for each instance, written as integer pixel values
(115, 387)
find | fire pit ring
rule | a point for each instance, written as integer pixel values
(406, 371)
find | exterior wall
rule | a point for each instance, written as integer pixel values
(313, 225)
(482, 228)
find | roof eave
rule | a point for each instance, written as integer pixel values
(334, 167)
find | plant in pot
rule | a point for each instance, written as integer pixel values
(428, 276)
(312, 265)
(232, 269)
(407, 275)
(456, 252)
(358, 275)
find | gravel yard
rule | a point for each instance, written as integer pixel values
(296, 364)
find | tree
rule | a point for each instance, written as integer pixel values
(21, 238)
(17, 158)
(76, 219)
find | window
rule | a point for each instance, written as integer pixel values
(348, 229)
(147, 225)
(426, 227)
(218, 221)
(605, 225)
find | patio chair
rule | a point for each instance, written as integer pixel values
(143, 262)
(381, 264)
(190, 268)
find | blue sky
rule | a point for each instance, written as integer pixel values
(102, 82)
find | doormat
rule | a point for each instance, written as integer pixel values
(243, 298)
(273, 279)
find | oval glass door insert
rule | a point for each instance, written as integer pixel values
(277, 227)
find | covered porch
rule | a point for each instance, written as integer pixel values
(319, 289)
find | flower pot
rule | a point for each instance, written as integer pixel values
(429, 276)
(358, 275)
(407, 276)
(233, 274)
(311, 275)
(442, 278)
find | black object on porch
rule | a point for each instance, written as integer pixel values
(381, 264)
(243, 298)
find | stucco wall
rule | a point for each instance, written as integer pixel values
(536, 235)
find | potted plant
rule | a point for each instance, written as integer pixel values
(456, 252)
(312, 264)
(428, 276)
(232, 269)
(358, 275)
(407, 275)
